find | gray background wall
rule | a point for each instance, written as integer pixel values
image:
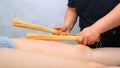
(48, 13)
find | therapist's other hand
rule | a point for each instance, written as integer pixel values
(65, 30)
(88, 36)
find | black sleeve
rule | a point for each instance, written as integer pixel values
(70, 3)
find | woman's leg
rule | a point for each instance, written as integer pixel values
(108, 56)
(76, 52)
(15, 58)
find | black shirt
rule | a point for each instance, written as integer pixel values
(90, 11)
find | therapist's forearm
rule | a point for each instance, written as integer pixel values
(70, 18)
(109, 21)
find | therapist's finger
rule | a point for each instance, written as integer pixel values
(80, 39)
(85, 41)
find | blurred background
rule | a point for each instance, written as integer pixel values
(48, 13)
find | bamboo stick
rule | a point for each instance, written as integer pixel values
(19, 23)
(51, 37)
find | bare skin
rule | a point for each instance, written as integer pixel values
(14, 58)
(75, 52)
(53, 48)
(38, 53)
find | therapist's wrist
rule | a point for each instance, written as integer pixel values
(68, 26)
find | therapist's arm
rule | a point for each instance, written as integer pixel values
(110, 21)
(69, 21)
(91, 34)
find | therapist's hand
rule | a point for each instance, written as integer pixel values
(88, 36)
(65, 30)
